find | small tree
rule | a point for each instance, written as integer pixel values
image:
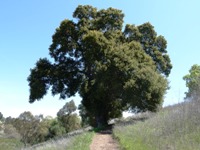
(67, 109)
(11, 132)
(193, 83)
(27, 125)
(1, 117)
(69, 120)
(56, 129)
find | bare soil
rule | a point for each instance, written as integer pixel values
(104, 141)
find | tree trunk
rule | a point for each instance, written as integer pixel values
(101, 121)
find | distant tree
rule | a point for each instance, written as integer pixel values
(1, 127)
(111, 69)
(56, 129)
(39, 117)
(67, 109)
(193, 83)
(11, 132)
(26, 116)
(8, 120)
(1, 116)
(27, 125)
(42, 131)
(68, 119)
(70, 122)
(35, 129)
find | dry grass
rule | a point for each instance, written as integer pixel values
(174, 128)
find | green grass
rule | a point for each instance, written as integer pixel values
(82, 142)
(130, 138)
(176, 127)
(10, 144)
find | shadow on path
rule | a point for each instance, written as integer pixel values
(103, 140)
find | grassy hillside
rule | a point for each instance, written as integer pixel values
(174, 128)
(10, 144)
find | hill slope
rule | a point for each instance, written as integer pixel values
(175, 127)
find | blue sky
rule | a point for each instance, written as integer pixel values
(26, 28)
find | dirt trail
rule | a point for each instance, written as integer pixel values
(104, 141)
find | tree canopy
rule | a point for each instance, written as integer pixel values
(111, 67)
(193, 83)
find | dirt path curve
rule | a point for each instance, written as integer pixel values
(104, 141)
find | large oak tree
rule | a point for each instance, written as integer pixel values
(111, 67)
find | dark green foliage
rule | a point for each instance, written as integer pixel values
(155, 46)
(86, 119)
(39, 79)
(193, 83)
(111, 69)
(1, 117)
